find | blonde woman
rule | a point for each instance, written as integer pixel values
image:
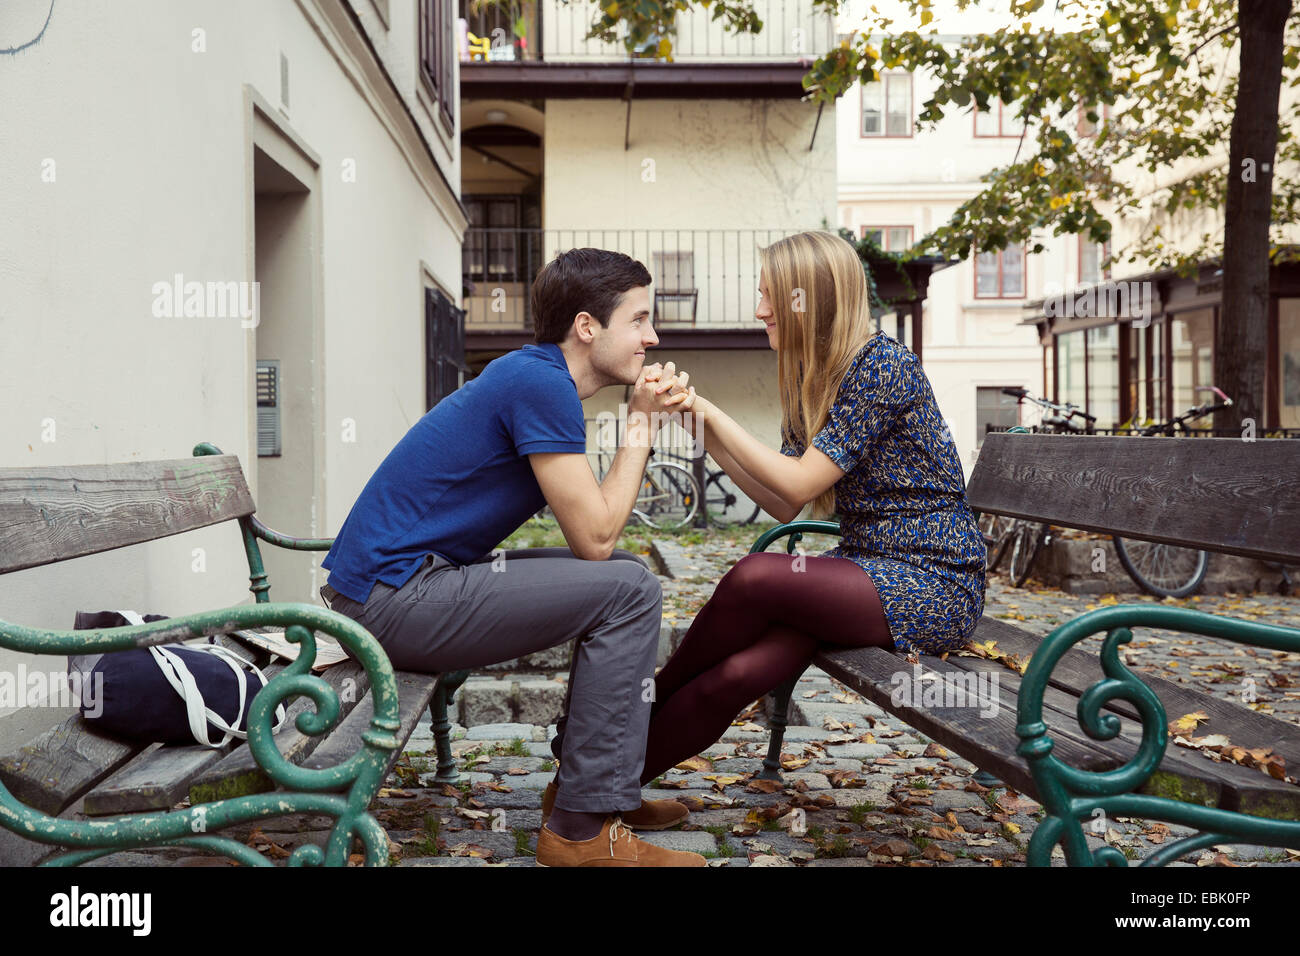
(863, 437)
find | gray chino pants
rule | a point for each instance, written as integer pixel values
(449, 617)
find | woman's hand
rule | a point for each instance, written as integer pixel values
(682, 395)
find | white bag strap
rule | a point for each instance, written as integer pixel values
(196, 710)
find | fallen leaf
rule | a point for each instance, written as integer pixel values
(698, 764)
(934, 852)
(470, 849)
(1188, 722)
(722, 780)
(894, 847)
(764, 786)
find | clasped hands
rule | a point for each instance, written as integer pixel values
(661, 394)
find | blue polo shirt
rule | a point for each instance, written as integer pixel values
(459, 482)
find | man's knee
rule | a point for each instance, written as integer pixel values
(620, 555)
(633, 584)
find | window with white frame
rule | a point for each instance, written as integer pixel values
(1000, 275)
(1091, 256)
(889, 238)
(887, 106)
(999, 119)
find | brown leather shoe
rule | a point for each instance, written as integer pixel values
(651, 815)
(614, 845)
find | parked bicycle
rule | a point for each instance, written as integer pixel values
(1025, 540)
(1167, 570)
(723, 501)
(668, 498)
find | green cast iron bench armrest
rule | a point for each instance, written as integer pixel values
(1070, 794)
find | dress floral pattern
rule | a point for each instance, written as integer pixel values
(902, 501)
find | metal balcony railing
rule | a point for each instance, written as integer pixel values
(701, 278)
(512, 31)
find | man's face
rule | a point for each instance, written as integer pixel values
(618, 352)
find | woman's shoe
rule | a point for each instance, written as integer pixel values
(651, 815)
(614, 845)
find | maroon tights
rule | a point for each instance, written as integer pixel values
(761, 627)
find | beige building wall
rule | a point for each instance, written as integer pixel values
(712, 179)
(144, 140)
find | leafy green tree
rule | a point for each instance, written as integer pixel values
(1170, 102)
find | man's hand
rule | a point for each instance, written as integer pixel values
(654, 402)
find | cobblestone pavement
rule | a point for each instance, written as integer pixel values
(861, 787)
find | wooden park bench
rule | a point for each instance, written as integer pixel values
(1077, 730)
(94, 794)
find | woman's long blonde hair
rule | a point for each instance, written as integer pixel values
(818, 291)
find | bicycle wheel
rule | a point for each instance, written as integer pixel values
(725, 503)
(1026, 541)
(669, 496)
(996, 531)
(1164, 570)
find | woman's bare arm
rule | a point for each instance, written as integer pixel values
(779, 483)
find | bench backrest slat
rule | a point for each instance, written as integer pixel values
(65, 511)
(1217, 494)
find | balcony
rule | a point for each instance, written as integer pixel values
(504, 44)
(704, 291)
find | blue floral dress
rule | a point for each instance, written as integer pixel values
(902, 501)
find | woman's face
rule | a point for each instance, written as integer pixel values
(764, 311)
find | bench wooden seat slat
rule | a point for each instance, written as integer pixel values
(988, 742)
(414, 692)
(54, 770)
(1078, 670)
(1219, 494)
(67, 511)
(1189, 775)
(238, 774)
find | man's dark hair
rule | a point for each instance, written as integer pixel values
(582, 280)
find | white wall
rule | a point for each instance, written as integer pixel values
(125, 158)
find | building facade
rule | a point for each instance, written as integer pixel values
(230, 223)
(689, 166)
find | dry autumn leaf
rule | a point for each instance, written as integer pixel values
(722, 780)
(1187, 723)
(697, 764)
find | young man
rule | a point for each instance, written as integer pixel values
(413, 562)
